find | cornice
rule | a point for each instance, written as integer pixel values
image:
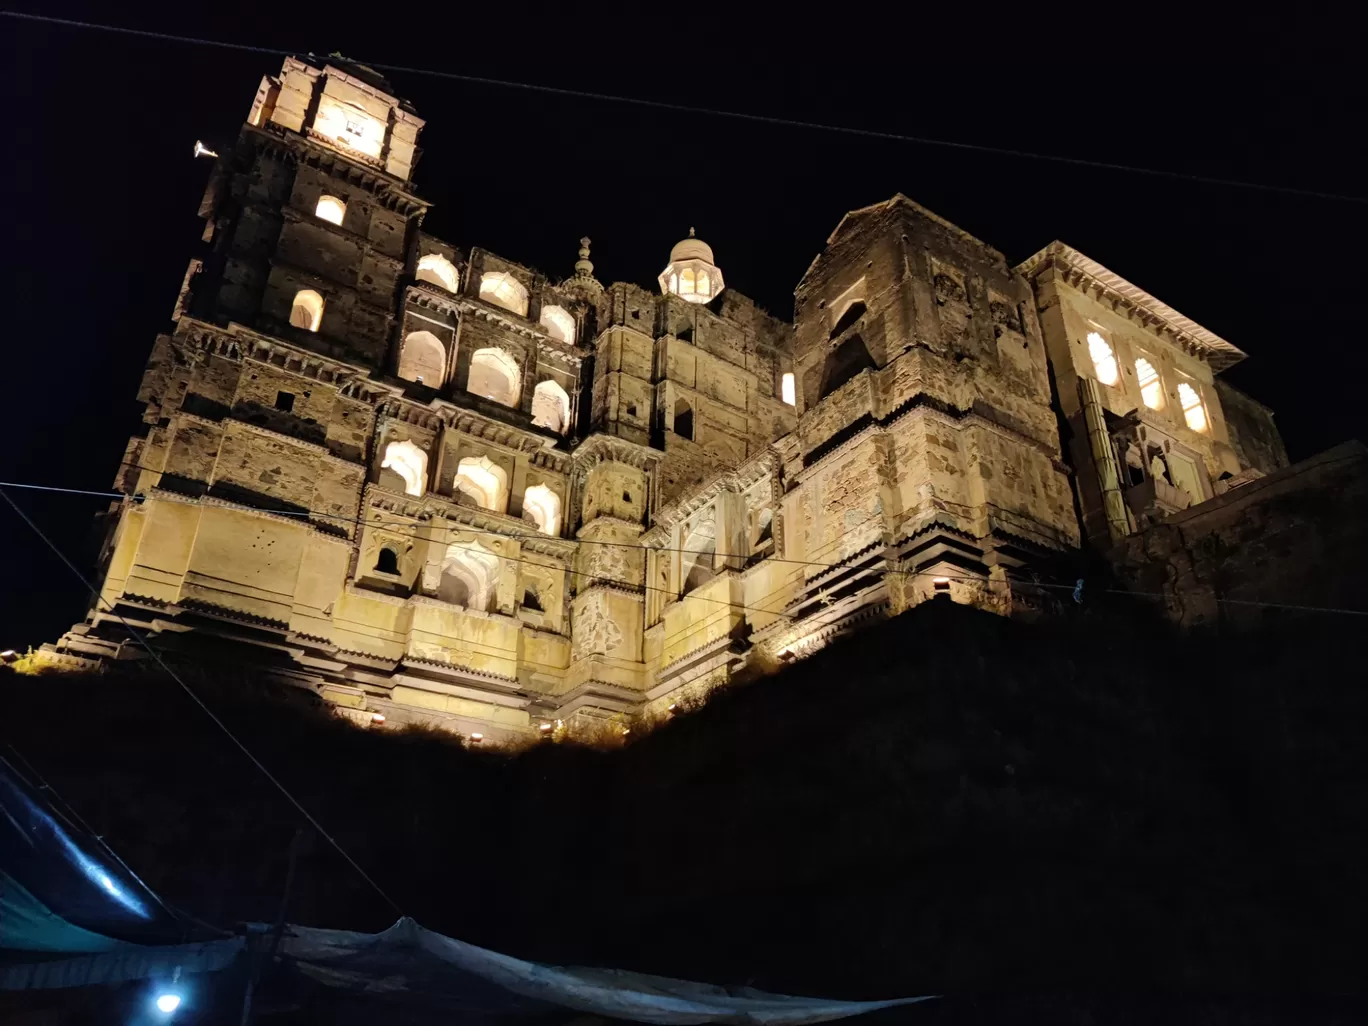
(738, 479)
(314, 151)
(601, 448)
(239, 343)
(1087, 275)
(422, 509)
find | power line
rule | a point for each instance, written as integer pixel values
(683, 108)
(200, 702)
(416, 532)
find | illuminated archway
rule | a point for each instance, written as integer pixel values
(484, 482)
(469, 577)
(494, 375)
(543, 507)
(502, 289)
(307, 310)
(550, 407)
(409, 462)
(422, 359)
(437, 269)
(330, 209)
(558, 324)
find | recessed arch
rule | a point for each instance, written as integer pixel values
(494, 374)
(843, 363)
(697, 556)
(330, 209)
(387, 560)
(437, 269)
(787, 392)
(504, 290)
(543, 507)
(409, 462)
(469, 577)
(307, 310)
(484, 482)
(550, 407)
(559, 324)
(684, 419)
(422, 358)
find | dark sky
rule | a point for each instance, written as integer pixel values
(101, 189)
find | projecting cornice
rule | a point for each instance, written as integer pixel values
(238, 343)
(386, 189)
(1087, 275)
(755, 469)
(598, 449)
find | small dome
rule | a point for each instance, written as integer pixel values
(691, 249)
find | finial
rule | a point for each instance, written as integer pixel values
(583, 268)
(691, 232)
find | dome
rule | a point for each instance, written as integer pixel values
(691, 274)
(691, 249)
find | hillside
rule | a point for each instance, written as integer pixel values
(1095, 814)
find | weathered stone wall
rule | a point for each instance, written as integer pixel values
(1286, 539)
(1250, 428)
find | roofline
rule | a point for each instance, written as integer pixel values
(1190, 335)
(897, 199)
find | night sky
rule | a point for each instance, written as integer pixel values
(101, 189)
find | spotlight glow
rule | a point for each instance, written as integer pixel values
(168, 1003)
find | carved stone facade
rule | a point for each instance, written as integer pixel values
(436, 485)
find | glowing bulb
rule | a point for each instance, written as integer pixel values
(940, 580)
(377, 717)
(168, 1003)
(545, 727)
(477, 737)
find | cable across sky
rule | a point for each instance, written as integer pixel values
(683, 108)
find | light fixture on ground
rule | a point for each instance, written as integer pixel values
(168, 1003)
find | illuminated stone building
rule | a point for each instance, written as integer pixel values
(435, 484)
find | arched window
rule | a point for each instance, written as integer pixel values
(502, 289)
(437, 269)
(558, 324)
(687, 282)
(1151, 391)
(1193, 410)
(484, 482)
(697, 556)
(550, 407)
(408, 463)
(1104, 360)
(307, 311)
(330, 209)
(764, 524)
(787, 391)
(423, 359)
(843, 363)
(683, 419)
(494, 375)
(469, 576)
(543, 507)
(387, 561)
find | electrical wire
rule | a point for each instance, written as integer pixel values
(683, 108)
(142, 641)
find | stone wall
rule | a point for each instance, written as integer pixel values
(1287, 539)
